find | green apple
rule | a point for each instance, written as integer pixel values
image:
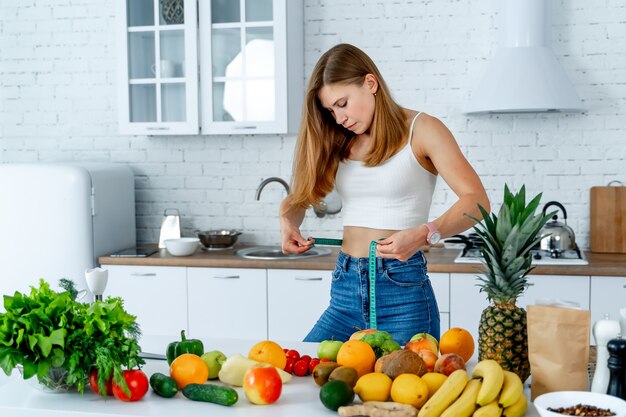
(214, 361)
(328, 349)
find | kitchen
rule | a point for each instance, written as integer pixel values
(60, 103)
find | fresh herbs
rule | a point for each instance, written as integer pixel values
(46, 329)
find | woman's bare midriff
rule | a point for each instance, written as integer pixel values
(356, 240)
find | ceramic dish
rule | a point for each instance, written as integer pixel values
(559, 399)
(183, 246)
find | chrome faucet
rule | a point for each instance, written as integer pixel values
(267, 181)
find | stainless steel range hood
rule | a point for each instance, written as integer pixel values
(524, 75)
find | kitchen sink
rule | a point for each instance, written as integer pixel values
(274, 253)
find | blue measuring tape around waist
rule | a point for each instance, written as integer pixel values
(371, 272)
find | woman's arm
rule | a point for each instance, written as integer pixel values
(434, 144)
(290, 220)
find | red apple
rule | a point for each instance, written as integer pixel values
(429, 358)
(424, 341)
(262, 385)
(359, 335)
(448, 363)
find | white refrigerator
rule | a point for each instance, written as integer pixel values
(57, 219)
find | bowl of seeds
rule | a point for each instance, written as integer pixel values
(579, 403)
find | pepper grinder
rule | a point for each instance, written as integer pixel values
(603, 331)
(617, 368)
(97, 279)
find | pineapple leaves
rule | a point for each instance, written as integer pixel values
(507, 240)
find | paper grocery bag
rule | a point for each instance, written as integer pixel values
(558, 349)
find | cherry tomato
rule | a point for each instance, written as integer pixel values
(324, 360)
(293, 354)
(314, 362)
(93, 383)
(301, 368)
(137, 383)
(289, 365)
(306, 358)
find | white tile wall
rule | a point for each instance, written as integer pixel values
(58, 103)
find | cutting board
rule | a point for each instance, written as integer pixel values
(608, 219)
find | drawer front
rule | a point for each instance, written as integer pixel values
(227, 303)
(296, 299)
(157, 295)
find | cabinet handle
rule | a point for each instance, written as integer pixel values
(157, 128)
(244, 127)
(145, 274)
(531, 284)
(308, 278)
(226, 276)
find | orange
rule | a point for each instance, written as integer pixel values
(459, 341)
(189, 369)
(268, 352)
(358, 355)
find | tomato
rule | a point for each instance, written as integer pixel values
(301, 368)
(293, 354)
(314, 362)
(305, 358)
(93, 383)
(137, 383)
(289, 365)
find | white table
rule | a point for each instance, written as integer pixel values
(300, 397)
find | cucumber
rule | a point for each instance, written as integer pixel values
(211, 393)
(163, 385)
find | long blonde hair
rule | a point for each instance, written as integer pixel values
(322, 144)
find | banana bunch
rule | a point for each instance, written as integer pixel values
(491, 392)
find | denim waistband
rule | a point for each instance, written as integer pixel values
(346, 261)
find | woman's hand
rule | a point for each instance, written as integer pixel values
(291, 239)
(290, 220)
(403, 244)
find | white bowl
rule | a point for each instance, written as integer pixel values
(183, 246)
(560, 399)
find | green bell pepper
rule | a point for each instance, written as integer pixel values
(175, 349)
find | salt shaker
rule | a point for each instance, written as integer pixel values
(617, 368)
(603, 331)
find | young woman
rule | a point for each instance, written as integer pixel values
(383, 160)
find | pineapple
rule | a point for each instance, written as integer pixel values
(507, 240)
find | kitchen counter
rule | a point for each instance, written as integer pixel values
(300, 397)
(439, 260)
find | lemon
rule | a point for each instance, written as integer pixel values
(409, 389)
(374, 386)
(433, 380)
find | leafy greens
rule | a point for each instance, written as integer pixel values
(46, 329)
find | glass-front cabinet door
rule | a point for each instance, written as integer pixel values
(158, 81)
(251, 65)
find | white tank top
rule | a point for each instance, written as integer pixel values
(394, 195)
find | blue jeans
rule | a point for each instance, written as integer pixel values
(405, 302)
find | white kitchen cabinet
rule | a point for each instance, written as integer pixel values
(440, 282)
(251, 65)
(467, 303)
(608, 296)
(157, 295)
(158, 67)
(229, 303)
(296, 299)
(245, 57)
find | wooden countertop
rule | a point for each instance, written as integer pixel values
(439, 260)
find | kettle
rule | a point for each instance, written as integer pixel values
(170, 228)
(559, 236)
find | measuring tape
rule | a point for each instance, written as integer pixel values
(371, 271)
